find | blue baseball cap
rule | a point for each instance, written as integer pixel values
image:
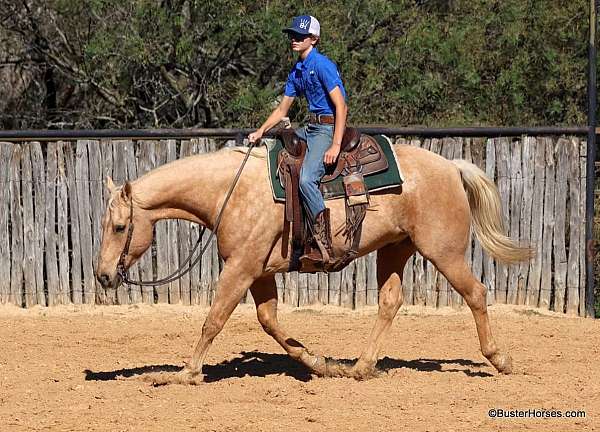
(304, 24)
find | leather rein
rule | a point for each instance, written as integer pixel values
(188, 264)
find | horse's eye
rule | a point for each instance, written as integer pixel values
(120, 228)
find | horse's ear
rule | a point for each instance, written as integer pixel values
(110, 184)
(126, 191)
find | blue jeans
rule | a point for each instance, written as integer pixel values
(319, 138)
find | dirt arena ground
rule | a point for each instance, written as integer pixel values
(82, 369)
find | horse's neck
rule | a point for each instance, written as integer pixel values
(191, 188)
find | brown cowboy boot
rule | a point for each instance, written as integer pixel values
(322, 254)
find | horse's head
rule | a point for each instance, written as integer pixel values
(126, 235)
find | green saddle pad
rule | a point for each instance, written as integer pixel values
(387, 179)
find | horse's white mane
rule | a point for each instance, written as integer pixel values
(257, 152)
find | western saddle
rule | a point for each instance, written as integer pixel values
(360, 155)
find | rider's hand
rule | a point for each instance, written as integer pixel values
(255, 136)
(331, 154)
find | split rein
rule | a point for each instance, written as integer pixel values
(188, 264)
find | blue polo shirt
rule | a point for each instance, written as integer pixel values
(314, 77)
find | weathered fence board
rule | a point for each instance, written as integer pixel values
(372, 287)
(291, 288)
(5, 198)
(537, 225)
(279, 282)
(582, 243)
(51, 244)
(53, 199)
(96, 204)
(85, 222)
(63, 296)
(29, 232)
(419, 281)
(38, 167)
(575, 224)
(73, 197)
(547, 236)
(560, 253)
(528, 161)
(335, 282)
(303, 289)
(360, 285)
(16, 221)
(323, 288)
(313, 289)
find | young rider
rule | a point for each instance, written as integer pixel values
(315, 77)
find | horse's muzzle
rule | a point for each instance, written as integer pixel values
(106, 281)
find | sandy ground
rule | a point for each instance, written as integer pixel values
(76, 368)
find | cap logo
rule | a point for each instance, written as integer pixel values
(304, 24)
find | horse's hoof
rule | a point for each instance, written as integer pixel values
(189, 376)
(502, 363)
(363, 371)
(317, 364)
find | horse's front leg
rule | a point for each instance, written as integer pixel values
(264, 292)
(234, 281)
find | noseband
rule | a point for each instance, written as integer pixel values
(121, 265)
(188, 264)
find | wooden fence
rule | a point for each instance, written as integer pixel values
(52, 198)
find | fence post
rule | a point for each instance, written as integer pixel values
(590, 250)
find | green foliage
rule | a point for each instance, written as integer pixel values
(178, 63)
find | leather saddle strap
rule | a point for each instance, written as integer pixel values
(287, 186)
(297, 223)
(293, 207)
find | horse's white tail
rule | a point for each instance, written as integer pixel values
(484, 201)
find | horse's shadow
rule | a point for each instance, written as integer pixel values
(260, 364)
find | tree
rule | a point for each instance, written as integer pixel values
(211, 63)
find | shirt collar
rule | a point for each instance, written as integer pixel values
(309, 58)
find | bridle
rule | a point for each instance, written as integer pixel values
(188, 264)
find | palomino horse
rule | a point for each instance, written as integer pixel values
(431, 213)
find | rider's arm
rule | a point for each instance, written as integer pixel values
(275, 117)
(341, 111)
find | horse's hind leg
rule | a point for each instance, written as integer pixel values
(474, 292)
(390, 266)
(264, 292)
